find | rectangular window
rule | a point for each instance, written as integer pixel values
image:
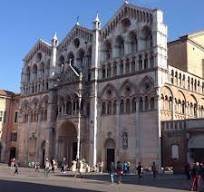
(175, 152)
(1, 116)
(5, 116)
(16, 117)
(14, 137)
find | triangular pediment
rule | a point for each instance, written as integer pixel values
(126, 11)
(76, 32)
(41, 45)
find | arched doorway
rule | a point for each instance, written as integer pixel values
(110, 152)
(67, 142)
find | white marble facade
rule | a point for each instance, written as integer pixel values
(123, 67)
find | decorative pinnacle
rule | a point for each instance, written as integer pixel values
(97, 18)
(126, 2)
(77, 23)
(55, 36)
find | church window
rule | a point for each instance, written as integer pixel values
(114, 69)
(146, 62)
(108, 50)
(103, 72)
(121, 68)
(152, 103)
(134, 105)
(109, 108)
(141, 104)
(103, 108)
(140, 62)
(133, 65)
(76, 43)
(127, 67)
(128, 106)
(114, 107)
(109, 70)
(120, 46)
(122, 106)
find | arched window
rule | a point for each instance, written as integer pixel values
(103, 112)
(134, 105)
(109, 70)
(108, 50)
(147, 37)
(114, 107)
(109, 108)
(152, 103)
(141, 104)
(80, 58)
(128, 106)
(68, 107)
(127, 66)
(28, 73)
(146, 103)
(121, 106)
(114, 69)
(183, 107)
(133, 42)
(103, 72)
(140, 62)
(35, 69)
(120, 46)
(146, 61)
(121, 68)
(133, 65)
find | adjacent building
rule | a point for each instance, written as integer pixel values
(8, 125)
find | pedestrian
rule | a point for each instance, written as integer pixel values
(194, 174)
(119, 170)
(154, 170)
(63, 164)
(47, 167)
(139, 170)
(15, 168)
(101, 166)
(187, 171)
(125, 167)
(112, 172)
(78, 165)
(201, 177)
(37, 166)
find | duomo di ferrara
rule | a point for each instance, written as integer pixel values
(114, 92)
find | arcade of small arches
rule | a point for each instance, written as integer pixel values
(128, 43)
(35, 76)
(183, 106)
(36, 111)
(82, 58)
(187, 81)
(130, 100)
(128, 65)
(69, 105)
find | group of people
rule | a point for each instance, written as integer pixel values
(196, 174)
(121, 169)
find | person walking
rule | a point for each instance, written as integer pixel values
(139, 170)
(47, 167)
(154, 170)
(187, 169)
(112, 172)
(119, 170)
(15, 168)
(194, 173)
(63, 164)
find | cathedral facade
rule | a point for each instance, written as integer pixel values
(104, 94)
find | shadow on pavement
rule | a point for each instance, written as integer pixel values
(162, 181)
(9, 186)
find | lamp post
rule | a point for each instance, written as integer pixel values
(80, 76)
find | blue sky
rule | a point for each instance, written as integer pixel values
(22, 22)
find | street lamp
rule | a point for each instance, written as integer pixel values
(78, 74)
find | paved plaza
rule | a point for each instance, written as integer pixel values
(28, 181)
